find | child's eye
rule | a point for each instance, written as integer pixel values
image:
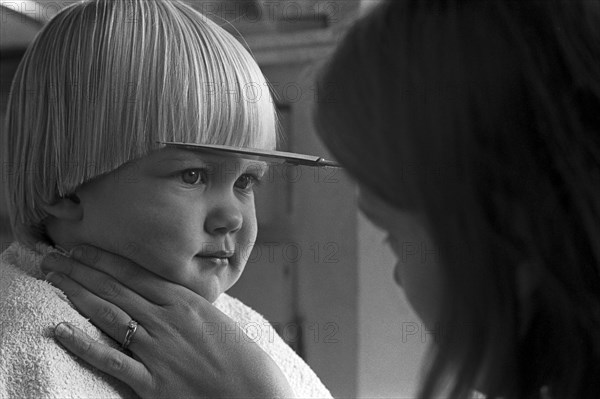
(246, 181)
(194, 176)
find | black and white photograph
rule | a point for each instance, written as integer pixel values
(300, 199)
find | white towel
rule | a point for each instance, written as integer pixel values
(34, 365)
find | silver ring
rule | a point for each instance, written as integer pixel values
(131, 329)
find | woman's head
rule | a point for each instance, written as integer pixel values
(481, 118)
(104, 81)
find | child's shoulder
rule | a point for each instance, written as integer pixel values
(32, 363)
(237, 310)
(21, 294)
(25, 299)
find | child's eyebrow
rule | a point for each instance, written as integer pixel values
(183, 156)
(183, 161)
(180, 160)
(191, 158)
(260, 166)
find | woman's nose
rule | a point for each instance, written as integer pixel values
(223, 219)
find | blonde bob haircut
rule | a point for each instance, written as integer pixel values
(106, 80)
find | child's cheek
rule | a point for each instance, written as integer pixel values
(168, 238)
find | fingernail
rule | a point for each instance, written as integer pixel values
(63, 330)
(85, 254)
(54, 278)
(50, 261)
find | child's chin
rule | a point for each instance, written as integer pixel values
(211, 294)
(213, 298)
(210, 287)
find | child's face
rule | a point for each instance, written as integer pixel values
(188, 217)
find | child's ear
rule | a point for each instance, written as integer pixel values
(66, 208)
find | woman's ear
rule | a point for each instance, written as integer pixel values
(66, 208)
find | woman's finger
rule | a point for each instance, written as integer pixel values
(106, 316)
(150, 286)
(130, 274)
(97, 283)
(105, 358)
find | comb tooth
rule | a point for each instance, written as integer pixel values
(281, 156)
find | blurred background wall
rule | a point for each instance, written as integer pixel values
(319, 271)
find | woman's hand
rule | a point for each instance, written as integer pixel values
(179, 348)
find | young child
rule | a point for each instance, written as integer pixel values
(102, 84)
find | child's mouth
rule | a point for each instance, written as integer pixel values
(220, 258)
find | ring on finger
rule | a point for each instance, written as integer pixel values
(131, 329)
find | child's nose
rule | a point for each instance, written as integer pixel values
(224, 219)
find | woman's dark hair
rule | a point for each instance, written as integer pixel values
(485, 117)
